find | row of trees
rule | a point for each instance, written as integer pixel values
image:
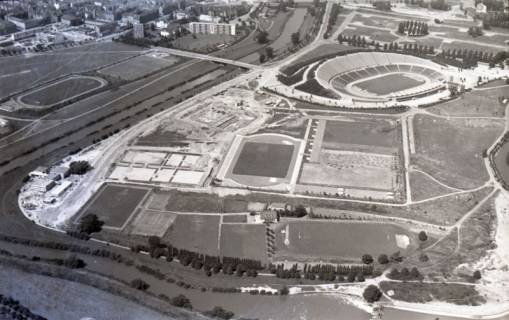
(324, 272)
(333, 17)
(413, 28)
(12, 309)
(496, 19)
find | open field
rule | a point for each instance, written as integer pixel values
(199, 233)
(61, 91)
(24, 72)
(366, 132)
(460, 45)
(189, 202)
(451, 150)
(138, 67)
(339, 241)
(153, 223)
(202, 42)
(423, 187)
(114, 204)
(244, 241)
(483, 103)
(389, 83)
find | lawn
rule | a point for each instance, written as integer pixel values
(198, 233)
(264, 159)
(338, 241)
(389, 83)
(180, 201)
(60, 91)
(244, 241)
(371, 33)
(451, 150)
(114, 204)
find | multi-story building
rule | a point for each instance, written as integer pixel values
(211, 28)
(138, 31)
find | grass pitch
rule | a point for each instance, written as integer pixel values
(264, 159)
(244, 241)
(389, 83)
(114, 204)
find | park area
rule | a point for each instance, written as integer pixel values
(114, 204)
(451, 150)
(334, 241)
(139, 66)
(61, 91)
(390, 83)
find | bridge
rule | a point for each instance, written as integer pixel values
(200, 56)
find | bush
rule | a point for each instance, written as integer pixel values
(423, 257)
(181, 301)
(367, 259)
(79, 167)
(423, 236)
(139, 284)
(284, 291)
(219, 312)
(383, 259)
(477, 275)
(372, 294)
(90, 224)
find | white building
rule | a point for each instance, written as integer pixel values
(212, 28)
(207, 18)
(481, 8)
(60, 189)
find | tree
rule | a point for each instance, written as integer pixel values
(139, 284)
(262, 58)
(367, 259)
(423, 257)
(372, 294)
(90, 224)
(219, 312)
(284, 291)
(295, 38)
(262, 37)
(269, 53)
(181, 301)
(423, 236)
(401, 28)
(383, 259)
(154, 242)
(300, 211)
(476, 275)
(74, 262)
(79, 167)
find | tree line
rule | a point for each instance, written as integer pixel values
(413, 28)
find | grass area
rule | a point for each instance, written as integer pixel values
(293, 127)
(264, 159)
(192, 202)
(423, 187)
(138, 67)
(202, 43)
(60, 91)
(373, 33)
(482, 103)
(293, 24)
(244, 241)
(426, 292)
(293, 79)
(198, 233)
(451, 150)
(114, 204)
(312, 86)
(338, 241)
(460, 45)
(389, 83)
(235, 218)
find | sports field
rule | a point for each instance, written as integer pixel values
(339, 241)
(153, 223)
(390, 83)
(244, 241)
(26, 71)
(261, 160)
(114, 204)
(61, 91)
(377, 132)
(264, 159)
(199, 233)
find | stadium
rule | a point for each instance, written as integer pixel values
(380, 77)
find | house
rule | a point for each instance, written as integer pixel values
(60, 189)
(60, 172)
(268, 216)
(276, 206)
(39, 172)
